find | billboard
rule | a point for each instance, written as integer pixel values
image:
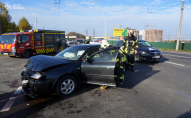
(118, 32)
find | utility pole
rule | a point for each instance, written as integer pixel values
(36, 22)
(121, 26)
(94, 33)
(169, 37)
(179, 31)
(105, 29)
(87, 32)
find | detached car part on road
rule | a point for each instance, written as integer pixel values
(68, 69)
(145, 52)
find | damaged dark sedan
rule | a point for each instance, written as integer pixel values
(64, 73)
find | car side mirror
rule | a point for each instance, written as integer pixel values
(151, 45)
(89, 60)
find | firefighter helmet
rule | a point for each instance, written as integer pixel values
(104, 44)
(130, 31)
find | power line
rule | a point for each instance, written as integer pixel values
(135, 16)
(29, 11)
(58, 12)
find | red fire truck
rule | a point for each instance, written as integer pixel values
(27, 42)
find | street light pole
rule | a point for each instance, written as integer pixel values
(180, 24)
(105, 30)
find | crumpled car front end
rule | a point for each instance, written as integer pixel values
(34, 75)
(34, 83)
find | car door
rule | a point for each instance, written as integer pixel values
(101, 70)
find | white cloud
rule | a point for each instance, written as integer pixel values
(87, 3)
(156, 2)
(74, 16)
(71, 4)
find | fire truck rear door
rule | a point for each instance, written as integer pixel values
(39, 43)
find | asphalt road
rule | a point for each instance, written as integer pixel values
(155, 90)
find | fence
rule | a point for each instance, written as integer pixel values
(182, 46)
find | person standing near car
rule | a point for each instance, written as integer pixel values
(130, 45)
(64, 44)
(57, 46)
(87, 40)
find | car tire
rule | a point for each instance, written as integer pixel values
(66, 86)
(27, 54)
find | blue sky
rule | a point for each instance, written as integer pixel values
(79, 15)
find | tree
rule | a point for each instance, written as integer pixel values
(12, 27)
(4, 17)
(24, 24)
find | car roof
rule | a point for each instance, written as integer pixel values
(141, 40)
(138, 40)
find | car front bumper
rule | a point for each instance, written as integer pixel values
(34, 88)
(150, 58)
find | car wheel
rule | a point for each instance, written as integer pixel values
(27, 54)
(66, 86)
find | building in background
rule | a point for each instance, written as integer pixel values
(152, 35)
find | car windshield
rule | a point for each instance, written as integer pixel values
(72, 53)
(7, 39)
(144, 44)
(69, 39)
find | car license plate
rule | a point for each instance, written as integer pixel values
(156, 56)
(5, 53)
(24, 81)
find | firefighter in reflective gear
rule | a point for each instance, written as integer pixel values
(130, 45)
(119, 67)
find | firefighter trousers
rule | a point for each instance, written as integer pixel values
(131, 61)
(119, 72)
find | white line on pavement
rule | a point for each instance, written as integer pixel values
(174, 63)
(18, 91)
(183, 94)
(186, 53)
(177, 56)
(8, 104)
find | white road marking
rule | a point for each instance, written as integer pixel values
(183, 94)
(174, 63)
(177, 56)
(8, 104)
(186, 53)
(18, 91)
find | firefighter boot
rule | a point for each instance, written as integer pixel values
(132, 70)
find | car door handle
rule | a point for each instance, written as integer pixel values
(107, 67)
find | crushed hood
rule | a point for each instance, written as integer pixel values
(41, 62)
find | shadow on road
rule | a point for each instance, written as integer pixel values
(144, 70)
(185, 115)
(24, 106)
